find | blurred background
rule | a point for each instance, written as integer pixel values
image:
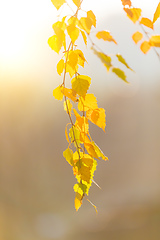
(36, 195)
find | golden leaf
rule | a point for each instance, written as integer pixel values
(58, 3)
(70, 93)
(82, 124)
(91, 15)
(133, 13)
(126, 2)
(145, 47)
(87, 102)
(80, 84)
(81, 58)
(84, 37)
(155, 40)
(157, 13)
(147, 22)
(77, 3)
(106, 36)
(67, 106)
(68, 155)
(57, 93)
(137, 36)
(60, 66)
(55, 44)
(98, 117)
(73, 32)
(85, 23)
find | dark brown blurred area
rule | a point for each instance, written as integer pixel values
(36, 195)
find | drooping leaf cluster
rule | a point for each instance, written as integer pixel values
(82, 108)
(146, 41)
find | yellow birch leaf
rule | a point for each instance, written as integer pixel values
(145, 47)
(87, 102)
(58, 3)
(155, 40)
(67, 106)
(66, 133)
(60, 66)
(99, 152)
(126, 2)
(55, 44)
(123, 61)
(82, 124)
(70, 70)
(80, 84)
(73, 59)
(73, 32)
(105, 59)
(120, 74)
(70, 93)
(98, 117)
(85, 23)
(106, 36)
(157, 13)
(57, 93)
(68, 155)
(91, 150)
(133, 13)
(87, 160)
(92, 16)
(81, 58)
(147, 22)
(137, 36)
(78, 201)
(77, 3)
(84, 37)
(74, 134)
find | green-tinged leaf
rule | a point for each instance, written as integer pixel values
(105, 59)
(68, 155)
(157, 13)
(120, 74)
(57, 93)
(58, 3)
(74, 134)
(81, 84)
(123, 61)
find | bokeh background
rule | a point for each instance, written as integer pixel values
(36, 195)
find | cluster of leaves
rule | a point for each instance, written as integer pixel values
(135, 14)
(80, 106)
(82, 152)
